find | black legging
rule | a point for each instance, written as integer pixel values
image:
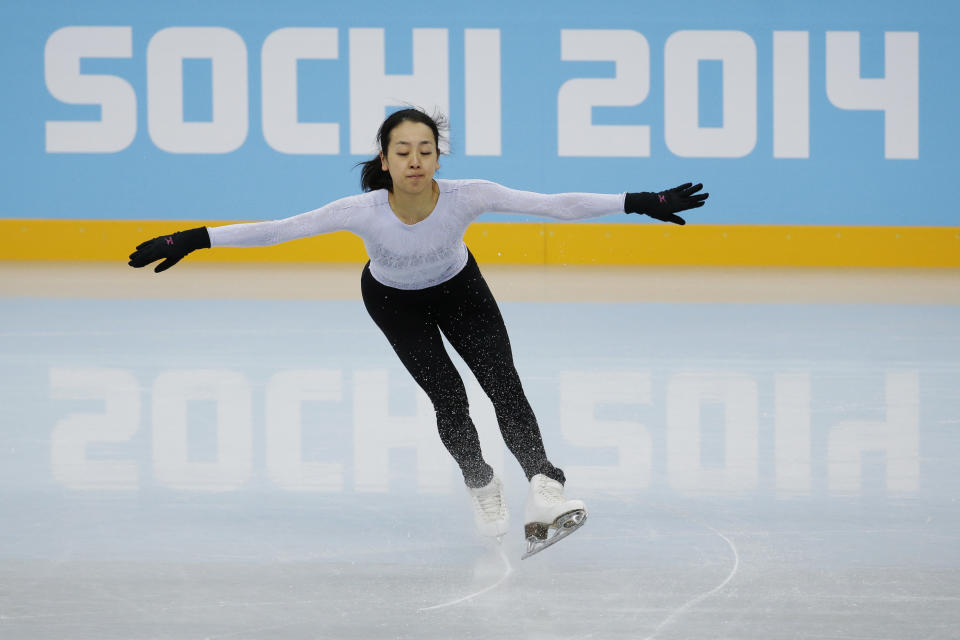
(464, 310)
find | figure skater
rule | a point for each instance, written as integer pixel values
(422, 280)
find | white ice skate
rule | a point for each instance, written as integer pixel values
(490, 509)
(549, 517)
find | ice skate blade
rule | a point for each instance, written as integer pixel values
(537, 533)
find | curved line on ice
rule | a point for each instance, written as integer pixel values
(506, 562)
(703, 596)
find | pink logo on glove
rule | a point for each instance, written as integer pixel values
(170, 240)
(662, 197)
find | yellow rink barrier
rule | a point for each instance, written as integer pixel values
(531, 243)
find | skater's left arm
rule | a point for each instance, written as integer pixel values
(581, 206)
(497, 198)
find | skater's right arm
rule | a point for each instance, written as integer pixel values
(326, 219)
(173, 248)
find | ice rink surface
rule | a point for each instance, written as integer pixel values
(222, 460)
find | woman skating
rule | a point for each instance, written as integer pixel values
(422, 281)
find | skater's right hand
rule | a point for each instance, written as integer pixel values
(173, 248)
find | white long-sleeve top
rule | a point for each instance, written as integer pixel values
(416, 256)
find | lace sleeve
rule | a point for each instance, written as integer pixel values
(494, 197)
(326, 219)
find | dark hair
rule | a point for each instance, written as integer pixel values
(372, 176)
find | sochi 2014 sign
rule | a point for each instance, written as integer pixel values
(372, 89)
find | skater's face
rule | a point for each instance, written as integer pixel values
(411, 157)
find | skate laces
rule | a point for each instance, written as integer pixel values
(491, 506)
(490, 503)
(551, 491)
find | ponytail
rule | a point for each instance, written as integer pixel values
(373, 177)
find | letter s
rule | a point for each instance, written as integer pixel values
(117, 126)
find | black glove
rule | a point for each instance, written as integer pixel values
(664, 205)
(173, 248)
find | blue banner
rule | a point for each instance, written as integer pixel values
(789, 113)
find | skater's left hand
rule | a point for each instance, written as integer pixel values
(665, 204)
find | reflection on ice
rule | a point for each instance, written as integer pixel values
(695, 450)
(266, 469)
